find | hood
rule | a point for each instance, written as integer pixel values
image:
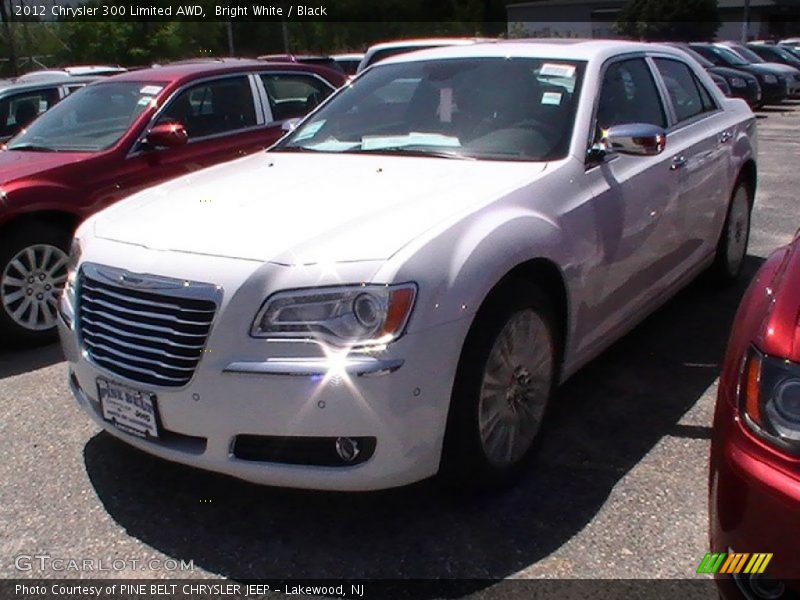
(303, 208)
(782, 68)
(762, 68)
(23, 164)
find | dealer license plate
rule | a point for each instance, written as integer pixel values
(133, 411)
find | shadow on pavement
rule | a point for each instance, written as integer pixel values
(16, 361)
(604, 420)
(775, 110)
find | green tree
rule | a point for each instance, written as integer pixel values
(675, 20)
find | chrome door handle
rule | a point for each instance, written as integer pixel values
(678, 162)
(724, 137)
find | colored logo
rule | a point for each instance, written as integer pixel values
(734, 562)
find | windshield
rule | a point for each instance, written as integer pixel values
(749, 54)
(729, 56)
(88, 120)
(785, 54)
(470, 108)
(704, 62)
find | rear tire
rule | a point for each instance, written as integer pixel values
(732, 245)
(33, 270)
(504, 382)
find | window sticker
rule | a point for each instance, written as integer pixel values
(555, 70)
(553, 98)
(333, 145)
(151, 90)
(310, 130)
(379, 142)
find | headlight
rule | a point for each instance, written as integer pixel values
(770, 79)
(348, 315)
(67, 303)
(738, 82)
(769, 399)
(75, 251)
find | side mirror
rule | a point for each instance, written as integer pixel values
(167, 135)
(638, 139)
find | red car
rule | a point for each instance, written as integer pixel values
(755, 450)
(118, 136)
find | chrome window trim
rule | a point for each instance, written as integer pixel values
(263, 98)
(257, 99)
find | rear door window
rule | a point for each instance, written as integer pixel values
(688, 95)
(293, 95)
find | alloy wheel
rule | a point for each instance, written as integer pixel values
(515, 388)
(738, 229)
(31, 284)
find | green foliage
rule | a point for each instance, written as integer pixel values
(675, 20)
(138, 43)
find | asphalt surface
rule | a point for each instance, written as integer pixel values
(618, 489)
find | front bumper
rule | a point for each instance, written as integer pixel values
(751, 93)
(245, 387)
(773, 93)
(754, 506)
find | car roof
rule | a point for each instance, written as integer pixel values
(64, 79)
(71, 71)
(424, 42)
(572, 49)
(187, 71)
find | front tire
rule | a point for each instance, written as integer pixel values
(33, 270)
(732, 245)
(504, 382)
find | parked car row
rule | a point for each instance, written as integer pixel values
(777, 81)
(397, 287)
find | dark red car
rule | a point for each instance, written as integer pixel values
(120, 135)
(755, 451)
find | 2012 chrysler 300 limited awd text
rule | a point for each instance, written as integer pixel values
(397, 287)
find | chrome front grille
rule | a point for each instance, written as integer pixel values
(147, 329)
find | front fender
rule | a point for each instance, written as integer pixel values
(457, 269)
(38, 197)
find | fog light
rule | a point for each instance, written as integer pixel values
(347, 449)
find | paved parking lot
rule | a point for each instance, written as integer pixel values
(618, 489)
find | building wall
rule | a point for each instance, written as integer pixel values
(580, 21)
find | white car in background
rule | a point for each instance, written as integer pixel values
(396, 289)
(384, 50)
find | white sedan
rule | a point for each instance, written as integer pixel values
(396, 289)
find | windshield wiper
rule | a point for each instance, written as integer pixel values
(414, 152)
(293, 149)
(32, 148)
